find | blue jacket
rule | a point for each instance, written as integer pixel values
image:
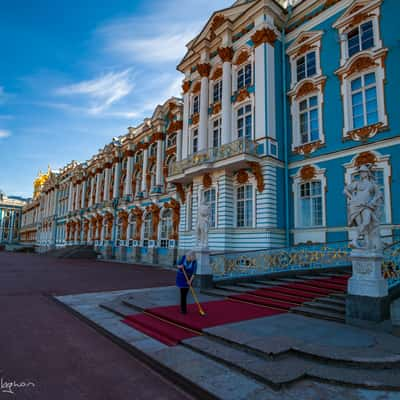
(190, 268)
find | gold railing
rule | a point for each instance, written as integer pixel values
(213, 154)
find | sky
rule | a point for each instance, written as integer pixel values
(76, 73)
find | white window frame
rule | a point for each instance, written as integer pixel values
(295, 111)
(237, 68)
(297, 181)
(317, 65)
(347, 99)
(192, 104)
(211, 130)
(342, 24)
(163, 221)
(192, 137)
(236, 109)
(254, 201)
(213, 84)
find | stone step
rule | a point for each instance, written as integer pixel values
(269, 282)
(253, 286)
(341, 296)
(325, 307)
(232, 288)
(319, 314)
(118, 308)
(219, 292)
(331, 300)
(283, 371)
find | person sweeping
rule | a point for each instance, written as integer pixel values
(184, 277)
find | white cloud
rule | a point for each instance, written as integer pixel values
(4, 133)
(102, 92)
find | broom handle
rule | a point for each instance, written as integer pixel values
(192, 290)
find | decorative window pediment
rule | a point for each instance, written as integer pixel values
(359, 29)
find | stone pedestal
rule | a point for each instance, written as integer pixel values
(204, 276)
(367, 298)
(134, 255)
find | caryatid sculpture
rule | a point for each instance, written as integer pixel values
(365, 200)
(203, 225)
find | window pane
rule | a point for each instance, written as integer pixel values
(317, 211)
(353, 42)
(303, 105)
(356, 84)
(370, 79)
(367, 35)
(313, 101)
(301, 68)
(311, 64)
(305, 210)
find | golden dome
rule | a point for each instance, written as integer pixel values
(39, 182)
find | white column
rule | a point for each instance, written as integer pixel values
(159, 172)
(91, 191)
(107, 176)
(128, 179)
(144, 170)
(185, 132)
(69, 197)
(179, 146)
(226, 102)
(116, 180)
(265, 114)
(204, 70)
(97, 193)
(84, 185)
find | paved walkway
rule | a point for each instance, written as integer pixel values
(283, 357)
(56, 354)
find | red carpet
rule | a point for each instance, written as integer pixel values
(169, 326)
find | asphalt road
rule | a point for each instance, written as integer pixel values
(55, 355)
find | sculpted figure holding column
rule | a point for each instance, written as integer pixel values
(203, 225)
(365, 200)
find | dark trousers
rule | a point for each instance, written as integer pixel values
(184, 293)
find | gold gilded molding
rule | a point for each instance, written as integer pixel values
(180, 191)
(365, 133)
(216, 108)
(364, 158)
(175, 206)
(196, 87)
(195, 118)
(361, 64)
(305, 89)
(308, 148)
(264, 35)
(225, 53)
(242, 177)
(207, 181)
(186, 86)
(257, 172)
(217, 74)
(242, 95)
(242, 57)
(204, 69)
(307, 173)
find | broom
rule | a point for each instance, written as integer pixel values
(201, 311)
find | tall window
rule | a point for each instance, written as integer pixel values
(211, 199)
(244, 122)
(364, 101)
(195, 141)
(217, 92)
(360, 38)
(244, 76)
(311, 204)
(244, 206)
(196, 104)
(166, 228)
(309, 121)
(306, 66)
(216, 132)
(147, 230)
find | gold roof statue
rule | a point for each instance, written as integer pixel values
(40, 181)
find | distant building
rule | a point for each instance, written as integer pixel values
(10, 218)
(282, 102)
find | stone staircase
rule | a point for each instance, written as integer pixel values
(302, 295)
(73, 252)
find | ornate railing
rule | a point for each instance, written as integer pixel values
(213, 154)
(261, 262)
(391, 264)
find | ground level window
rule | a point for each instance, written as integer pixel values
(311, 204)
(210, 199)
(244, 206)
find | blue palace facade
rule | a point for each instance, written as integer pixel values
(281, 103)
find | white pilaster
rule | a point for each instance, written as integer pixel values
(203, 124)
(107, 176)
(83, 194)
(185, 132)
(159, 171)
(145, 166)
(128, 178)
(226, 102)
(179, 145)
(117, 175)
(98, 181)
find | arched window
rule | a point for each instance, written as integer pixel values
(165, 228)
(170, 163)
(153, 176)
(171, 140)
(153, 150)
(132, 227)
